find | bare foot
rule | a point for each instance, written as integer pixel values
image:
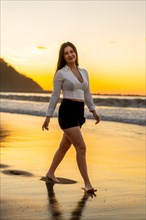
(89, 190)
(52, 178)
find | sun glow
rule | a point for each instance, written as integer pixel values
(111, 49)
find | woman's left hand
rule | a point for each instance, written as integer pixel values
(97, 119)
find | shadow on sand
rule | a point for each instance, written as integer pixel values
(56, 213)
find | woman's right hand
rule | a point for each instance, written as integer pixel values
(46, 123)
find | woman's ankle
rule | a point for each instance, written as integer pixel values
(88, 186)
(49, 174)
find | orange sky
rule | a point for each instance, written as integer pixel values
(109, 36)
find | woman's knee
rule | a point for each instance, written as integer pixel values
(75, 137)
(81, 149)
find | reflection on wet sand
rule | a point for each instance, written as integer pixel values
(76, 214)
(3, 135)
(116, 165)
(53, 203)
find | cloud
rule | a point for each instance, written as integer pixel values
(41, 47)
(16, 58)
(112, 42)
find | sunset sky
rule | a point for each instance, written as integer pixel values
(109, 36)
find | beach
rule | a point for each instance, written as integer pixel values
(116, 166)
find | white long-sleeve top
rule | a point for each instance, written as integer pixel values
(71, 87)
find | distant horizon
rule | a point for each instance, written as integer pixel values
(106, 94)
(100, 94)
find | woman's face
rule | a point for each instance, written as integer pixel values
(69, 55)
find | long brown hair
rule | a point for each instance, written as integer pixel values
(61, 62)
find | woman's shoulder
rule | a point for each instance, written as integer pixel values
(61, 70)
(59, 74)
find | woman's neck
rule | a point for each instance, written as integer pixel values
(72, 66)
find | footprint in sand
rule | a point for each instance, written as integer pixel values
(17, 172)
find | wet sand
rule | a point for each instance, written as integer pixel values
(116, 165)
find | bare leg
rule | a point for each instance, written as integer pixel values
(75, 137)
(60, 153)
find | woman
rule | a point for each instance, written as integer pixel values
(74, 83)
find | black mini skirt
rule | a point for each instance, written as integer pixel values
(71, 114)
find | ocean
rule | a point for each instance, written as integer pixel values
(124, 109)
